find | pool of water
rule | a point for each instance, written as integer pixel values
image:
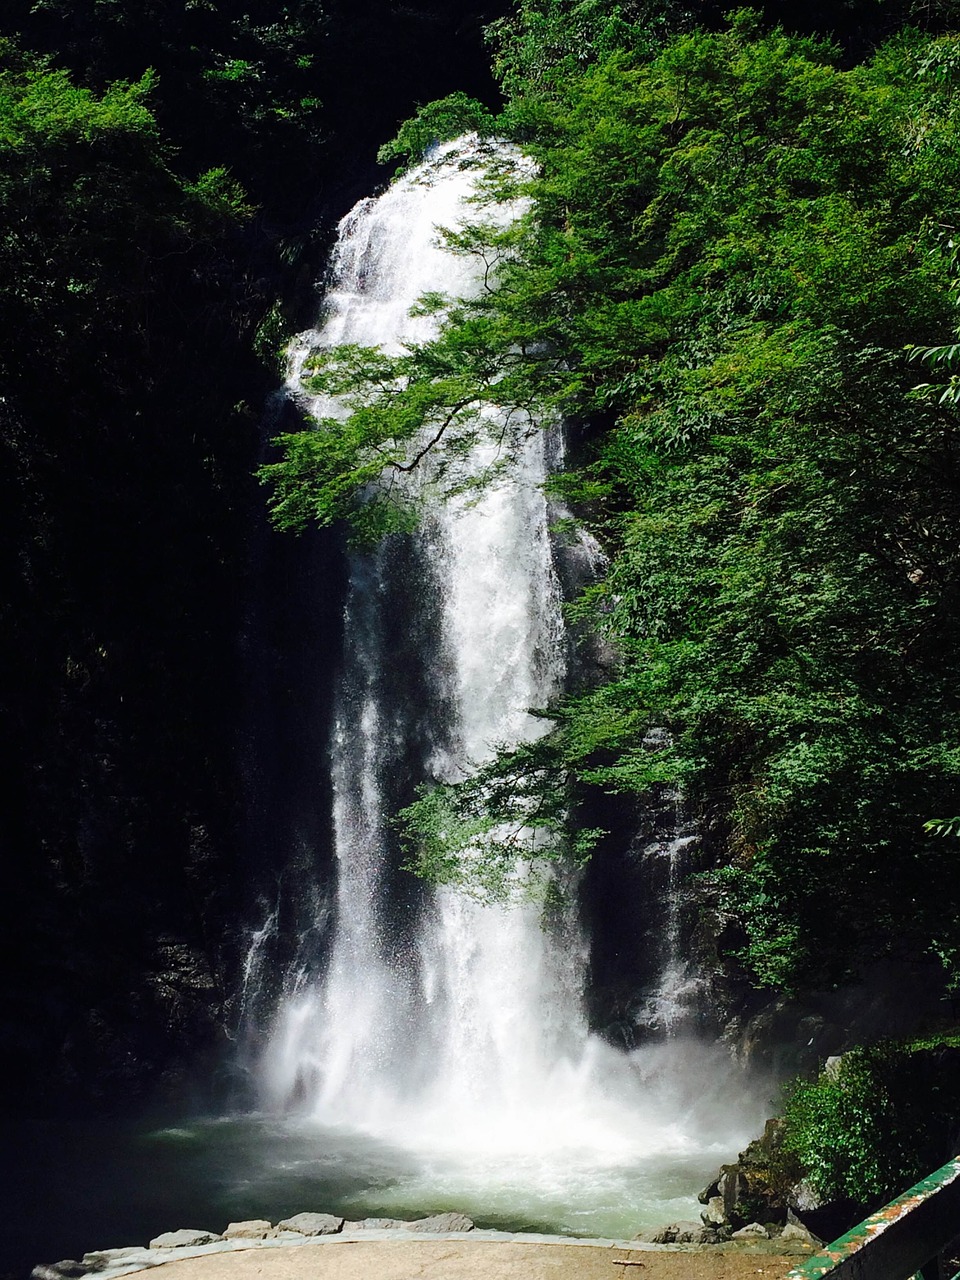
(77, 1186)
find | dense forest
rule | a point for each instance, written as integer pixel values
(735, 280)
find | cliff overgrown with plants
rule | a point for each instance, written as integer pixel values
(735, 270)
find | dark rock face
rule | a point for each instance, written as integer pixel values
(764, 1192)
(890, 1000)
(757, 1187)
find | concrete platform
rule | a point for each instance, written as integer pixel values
(466, 1257)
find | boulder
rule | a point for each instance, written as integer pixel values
(249, 1229)
(714, 1215)
(62, 1270)
(442, 1222)
(752, 1231)
(732, 1187)
(381, 1224)
(184, 1238)
(312, 1224)
(802, 1198)
(706, 1235)
(707, 1194)
(797, 1232)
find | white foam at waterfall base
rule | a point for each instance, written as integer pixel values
(467, 1046)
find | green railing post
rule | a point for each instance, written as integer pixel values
(901, 1241)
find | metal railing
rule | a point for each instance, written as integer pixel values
(902, 1241)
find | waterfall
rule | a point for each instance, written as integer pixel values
(479, 1003)
(437, 1023)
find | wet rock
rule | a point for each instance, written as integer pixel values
(672, 1233)
(694, 1234)
(184, 1238)
(711, 1235)
(707, 1194)
(732, 1187)
(100, 1259)
(63, 1270)
(249, 1229)
(728, 1186)
(752, 1231)
(442, 1222)
(312, 1224)
(714, 1215)
(659, 1235)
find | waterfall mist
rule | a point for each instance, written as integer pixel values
(450, 1031)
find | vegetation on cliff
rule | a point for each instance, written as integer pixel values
(876, 1120)
(734, 242)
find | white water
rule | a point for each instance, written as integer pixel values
(458, 1036)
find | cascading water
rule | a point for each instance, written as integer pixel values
(450, 1030)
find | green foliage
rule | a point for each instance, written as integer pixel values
(422, 411)
(735, 238)
(945, 357)
(439, 121)
(942, 826)
(878, 1120)
(496, 833)
(88, 205)
(733, 254)
(271, 339)
(231, 88)
(549, 41)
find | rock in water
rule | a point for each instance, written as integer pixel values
(63, 1270)
(185, 1238)
(312, 1224)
